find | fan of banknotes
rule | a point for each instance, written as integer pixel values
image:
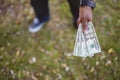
(86, 43)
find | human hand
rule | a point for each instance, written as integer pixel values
(85, 16)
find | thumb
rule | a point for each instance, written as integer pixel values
(78, 21)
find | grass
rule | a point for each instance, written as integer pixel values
(47, 55)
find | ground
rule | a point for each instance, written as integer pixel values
(47, 55)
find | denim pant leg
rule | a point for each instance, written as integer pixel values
(41, 9)
(74, 7)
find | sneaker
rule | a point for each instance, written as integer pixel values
(36, 25)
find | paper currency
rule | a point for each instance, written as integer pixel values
(87, 43)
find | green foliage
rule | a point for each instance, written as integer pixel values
(47, 55)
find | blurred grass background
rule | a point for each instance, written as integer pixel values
(47, 55)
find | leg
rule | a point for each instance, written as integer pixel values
(41, 9)
(74, 7)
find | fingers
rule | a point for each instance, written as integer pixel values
(84, 24)
(85, 16)
(84, 21)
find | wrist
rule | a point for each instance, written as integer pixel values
(86, 7)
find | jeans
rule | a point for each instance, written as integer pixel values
(41, 8)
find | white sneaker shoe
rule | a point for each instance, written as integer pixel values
(36, 25)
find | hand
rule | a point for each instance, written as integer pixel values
(85, 16)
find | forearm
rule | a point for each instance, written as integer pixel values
(90, 3)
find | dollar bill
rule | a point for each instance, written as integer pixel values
(86, 43)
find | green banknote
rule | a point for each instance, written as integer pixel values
(86, 43)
